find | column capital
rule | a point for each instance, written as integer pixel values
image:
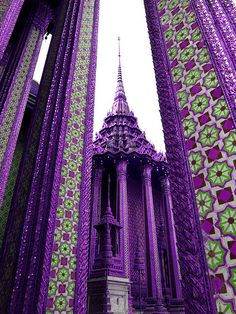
(42, 17)
(97, 175)
(121, 167)
(147, 172)
(165, 184)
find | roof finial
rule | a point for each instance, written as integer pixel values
(120, 105)
(119, 67)
(119, 49)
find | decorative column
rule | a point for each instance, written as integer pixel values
(168, 222)
(4, 61)
(14, 106)
(55, 226)
(9, 12)
(21, 206)
(230, 9)
(155, 288)
(96, 209)
(185, 78)
(123, 217)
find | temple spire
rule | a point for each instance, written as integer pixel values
(120, 105)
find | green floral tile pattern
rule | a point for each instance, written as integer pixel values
(63, 263)
(219, 174)
(227, 221)
(233, 278)
(230, 144)
(16, 93)
(192, 77)
(215, 254)
(4, 5)
(205, 202)
(220, 110)
(172, 53)
(182, 34)
(189, 127)
(196, 161)
(177, 74)
(206, 123)
(203, 56)
(187, 54)
(225, 308)
(200, 104)
(210, 80)
(209, 135)
(182, 98)
(4, 210)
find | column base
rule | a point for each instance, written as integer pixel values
(130, 303)
(155, 306)
(116, 287)
(176, 306)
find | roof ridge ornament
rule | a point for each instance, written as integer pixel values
(120, 105)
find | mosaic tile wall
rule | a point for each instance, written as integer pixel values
(3, 7)
(4, 210)
(210, 140)
(12, 113)
(63, 265)
(136, 224)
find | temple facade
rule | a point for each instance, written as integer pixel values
(46, 264)
(133, 261)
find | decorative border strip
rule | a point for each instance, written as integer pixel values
(222, 63)
(8, 22)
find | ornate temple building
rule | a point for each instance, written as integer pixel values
(133, 263)
(49, 165)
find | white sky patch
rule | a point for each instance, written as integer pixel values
(124, 18)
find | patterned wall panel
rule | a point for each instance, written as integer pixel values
(210, 140)
(3, 8)
(61, 290)
(136, 226)
(4, 210)
(12, 113)
(9, 12)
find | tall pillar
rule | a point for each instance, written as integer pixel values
(21, 206)
(9, 12)
(153, 262)
(121, 170)
(14, 105)
(168, 222)
(186, 79)
(96, 209)
(52, 264)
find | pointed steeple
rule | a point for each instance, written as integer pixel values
(120, 105)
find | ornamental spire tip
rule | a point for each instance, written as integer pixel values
(120, 105)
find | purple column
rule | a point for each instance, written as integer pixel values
(230, 9)
(155, 286)
(121, 169)
(14, 106)
(196, 286)
(224, 26)
(123, 216)
(8, 17)
(96, 209)
(168, 221)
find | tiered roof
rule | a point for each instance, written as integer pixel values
(120, 134)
